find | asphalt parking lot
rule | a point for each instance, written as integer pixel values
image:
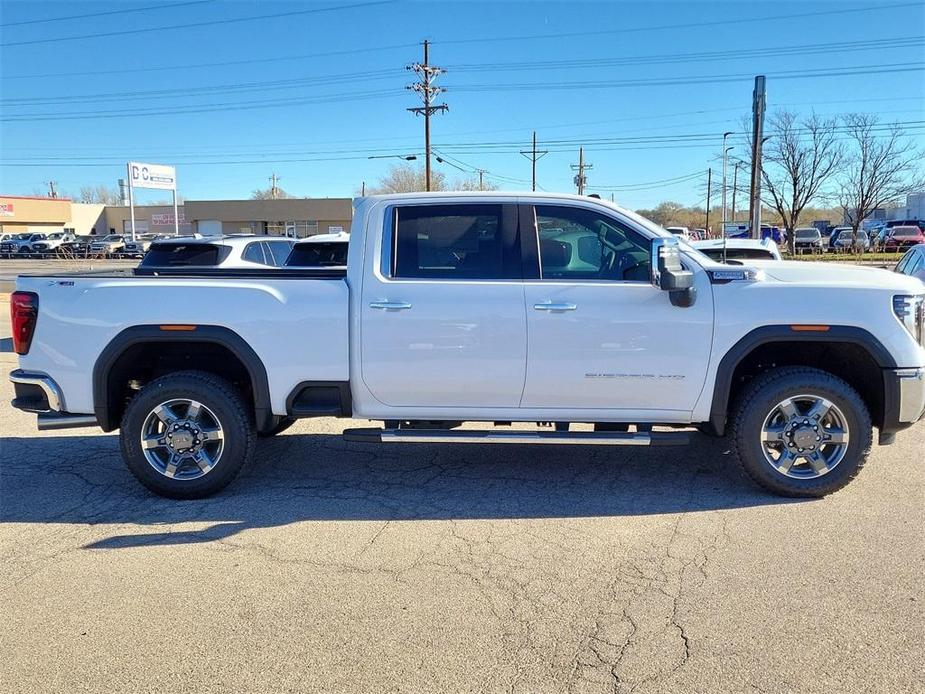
(344, 567)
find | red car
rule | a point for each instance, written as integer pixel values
(900, 238)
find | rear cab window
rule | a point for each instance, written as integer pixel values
(454, 242)
(184, 255)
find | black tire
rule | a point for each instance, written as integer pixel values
(281, 425)
(759, 399)
(230, 410)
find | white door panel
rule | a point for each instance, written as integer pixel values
(622, 346)
(451, 344)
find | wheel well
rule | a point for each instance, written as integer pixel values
(848, 361)
(141, 363)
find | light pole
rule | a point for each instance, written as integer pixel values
(725, 152)
(406, 157)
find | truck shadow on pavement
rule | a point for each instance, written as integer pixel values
(318, 477)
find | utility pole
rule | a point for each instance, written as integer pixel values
(481, 172)
(274, 190)
(735, 179)
(580, 179)
(533, 155)
(52, 193)
(363, 190)
(427, 91)
(709, 190)
(754, 198)
(725, 152)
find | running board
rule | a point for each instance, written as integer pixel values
(583, 438)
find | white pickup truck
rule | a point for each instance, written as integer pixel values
(566, 311)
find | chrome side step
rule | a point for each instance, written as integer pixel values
(582, 438)
(48, 421)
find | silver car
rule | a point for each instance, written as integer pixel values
(845, 241)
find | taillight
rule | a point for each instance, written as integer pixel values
(24, 312)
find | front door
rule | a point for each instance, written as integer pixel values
(442, 319)
(600, 336)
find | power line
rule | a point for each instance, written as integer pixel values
(150, 8)
(762, 53)
(687, 25)
(248, 61)
(697, 79)
(534, 155)
(192, 25)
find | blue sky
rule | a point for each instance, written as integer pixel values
(312, 94)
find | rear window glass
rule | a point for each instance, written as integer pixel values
(317, 255)
(737, 254)
(182, 254)
(905, 232)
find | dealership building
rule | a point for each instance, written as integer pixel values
(298, 217)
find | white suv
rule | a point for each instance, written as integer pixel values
(218, 252)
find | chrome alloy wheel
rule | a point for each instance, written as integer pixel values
(804, 437)
(182, 439)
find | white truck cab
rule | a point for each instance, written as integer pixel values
(491, 308)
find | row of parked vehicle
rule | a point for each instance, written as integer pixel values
(173, 251)
(887, 239)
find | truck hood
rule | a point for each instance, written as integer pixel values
(810, 273)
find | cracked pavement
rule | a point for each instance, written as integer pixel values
(348, 567)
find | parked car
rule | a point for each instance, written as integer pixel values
(78, 247)
(913, 263)
(429, 327)
(808, 239)
(138, 247)
(51, 243)
(245, 251)
(920, 223)
(683, 232)
(843, 239)
(738, 250)
(108, 245)
(736, 230)
(20, 244)
(900, 238)
(321, 250)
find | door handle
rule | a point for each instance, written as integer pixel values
(390, 305)
(555, 307)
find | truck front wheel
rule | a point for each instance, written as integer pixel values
(801, 432)
(187, 435)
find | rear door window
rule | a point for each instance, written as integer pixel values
(279, 251)
(254, 253)
(453, 242)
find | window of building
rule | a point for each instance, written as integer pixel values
(448, 242)
(293, 229)
(579, 243)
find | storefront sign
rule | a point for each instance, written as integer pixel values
(152, 176)
(165, 219)
(6, 209)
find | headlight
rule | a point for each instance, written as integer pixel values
(910, 310)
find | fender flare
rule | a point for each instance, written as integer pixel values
(215, 334)
(843, 334)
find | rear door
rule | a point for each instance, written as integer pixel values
(442, 316)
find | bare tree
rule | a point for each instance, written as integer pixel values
(799, 160)
(267, 194)
(883, 166)
(472, 183)
(100, 194)
(405, 178)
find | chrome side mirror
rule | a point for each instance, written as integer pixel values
(668, 274)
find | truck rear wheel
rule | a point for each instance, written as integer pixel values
(187, 435)
(801, 432)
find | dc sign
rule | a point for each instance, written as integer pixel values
(156, 176)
